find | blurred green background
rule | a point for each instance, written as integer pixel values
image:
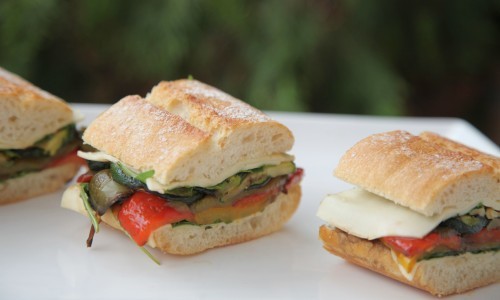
(386, 57)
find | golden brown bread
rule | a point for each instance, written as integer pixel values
(146, 137)
(191, 239)
(487, 159)
(206, 107)
(190, 134)
(37, 183)
(419, 174)
(433, 176)
(28, 113)
(439, 276)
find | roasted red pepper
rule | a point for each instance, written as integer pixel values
(142, 213)
(445, 241)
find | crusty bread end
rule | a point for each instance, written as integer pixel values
(487, 159)
(28, 113)
(37, 183)
(439, 276)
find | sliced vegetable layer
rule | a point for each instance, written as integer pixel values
(477, 231)
(52, 150)
(141, 211)
(144, 212)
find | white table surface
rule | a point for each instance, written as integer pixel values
(43, 253)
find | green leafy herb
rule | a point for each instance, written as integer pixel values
(144, 250)
(141, 177)
(151, 256)
(90, 211)
(121, 177)
(145, 175)
(126, 170)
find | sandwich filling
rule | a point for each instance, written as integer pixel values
(110, 186)
(52, 150)
(413, 237)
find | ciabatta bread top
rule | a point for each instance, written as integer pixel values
(225, 118)
(146, 137)
(27, 113)
(37, 183)
(204, 106)
(418, 174)
(190, 134)
(490, 160)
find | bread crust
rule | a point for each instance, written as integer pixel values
(188, 239)
(37, 183)
(486, 159)
(192, 239)
(195, 134)
(145, 137)
(418, 173)
(206, 107)
(439, 276)
(28, 113)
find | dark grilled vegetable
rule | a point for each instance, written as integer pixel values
(184, 195)
(259, 182)
(121, 177)
(466, 224)
(97, 166)
(19, 165)
(104, 191)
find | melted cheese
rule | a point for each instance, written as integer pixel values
(154, 185)
(97, 156)
(407, 266)
(369, 216)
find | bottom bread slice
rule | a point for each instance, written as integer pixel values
(439, 276)
(36, 183)
(190, 239)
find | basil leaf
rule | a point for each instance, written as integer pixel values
(90, 211)
(145, 175)
(126, 170)
(141, 177)
(143, 249)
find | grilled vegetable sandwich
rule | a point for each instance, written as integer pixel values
(38, 140)
(425, 212)
(186, 169)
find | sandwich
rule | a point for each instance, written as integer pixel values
(186, 169)
(425, 211)
(38, 140)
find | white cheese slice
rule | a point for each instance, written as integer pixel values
(274, 159)
(154, 185)
(366, 215)
(97, 156)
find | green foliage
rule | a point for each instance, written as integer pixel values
(24, 25)
(332, 56)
